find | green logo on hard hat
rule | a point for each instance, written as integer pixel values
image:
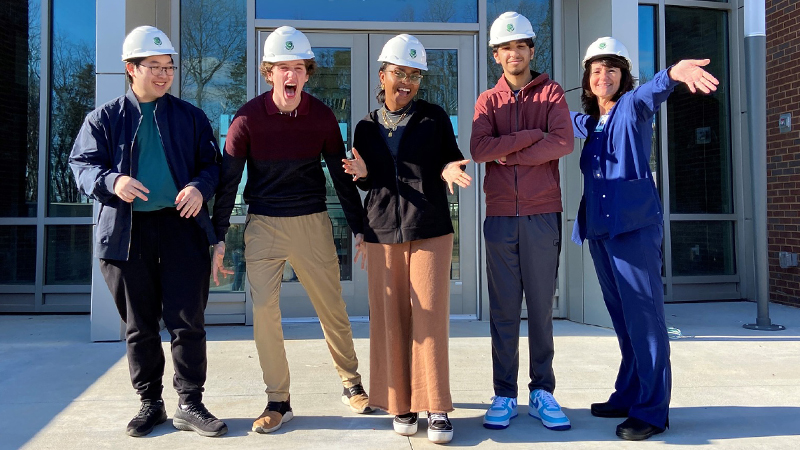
(602, 45)
(510, 28)
(289, 45)
(412, 53)
(157, 41)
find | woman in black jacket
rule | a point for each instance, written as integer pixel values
(405, 155)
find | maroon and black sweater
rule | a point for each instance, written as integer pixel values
(284, 172)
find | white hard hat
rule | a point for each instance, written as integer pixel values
(286, 44)
(510, 26)
(146, 41)
(404, 50)
(607, 46)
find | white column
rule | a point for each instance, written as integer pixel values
(584, 21)
(110, 79)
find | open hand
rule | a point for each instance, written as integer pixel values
(453, 173)
(691, 72)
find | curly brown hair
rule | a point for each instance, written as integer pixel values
(266, 67)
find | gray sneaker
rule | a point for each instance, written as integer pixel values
(195, 417)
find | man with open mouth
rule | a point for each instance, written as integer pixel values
(280, 135)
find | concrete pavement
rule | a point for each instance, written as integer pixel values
(733, 388)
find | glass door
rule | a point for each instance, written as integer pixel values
(346, 80)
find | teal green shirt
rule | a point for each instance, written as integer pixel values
(153, 170)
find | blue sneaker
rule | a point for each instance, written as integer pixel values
(544, 407)
(501, 412)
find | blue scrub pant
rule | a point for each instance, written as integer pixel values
(629, 269)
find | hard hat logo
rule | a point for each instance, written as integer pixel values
(289, 45)
(157, 41)
(510, 28)
(602, 46)
(412, 53)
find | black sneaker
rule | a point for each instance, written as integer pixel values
(150, 414)
(440, 430)
(195, 417)
(406, 424)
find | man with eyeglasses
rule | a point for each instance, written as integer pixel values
(151, 162)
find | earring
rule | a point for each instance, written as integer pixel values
(382, 87)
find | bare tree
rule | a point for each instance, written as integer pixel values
(72, 98)
(213, 48)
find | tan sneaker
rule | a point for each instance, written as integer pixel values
(275, 415)
(357, 399)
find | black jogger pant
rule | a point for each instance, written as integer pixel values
(166, 275)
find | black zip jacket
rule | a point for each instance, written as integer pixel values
(407, 198)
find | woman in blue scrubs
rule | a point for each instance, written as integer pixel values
(620, 215)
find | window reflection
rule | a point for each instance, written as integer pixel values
(648, 61)
(699, 125)
(72, 87)
(68, 254)
(703, 248)
(213, 72)
(18, 259)
(331, 83)
(440, 87)
(441, 11)
(20, 110)
(540, 13)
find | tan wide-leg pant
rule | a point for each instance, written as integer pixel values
(409, 316)
(307, 243)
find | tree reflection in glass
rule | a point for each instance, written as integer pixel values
(72, 97)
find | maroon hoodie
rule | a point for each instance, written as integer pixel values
(515, 127)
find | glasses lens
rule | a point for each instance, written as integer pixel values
(156, 71)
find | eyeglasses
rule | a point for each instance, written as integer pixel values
(414, 78)
(158, 70)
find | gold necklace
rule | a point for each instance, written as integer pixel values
(393, 125)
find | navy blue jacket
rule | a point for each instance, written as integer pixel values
(615, 164)
(104, 150)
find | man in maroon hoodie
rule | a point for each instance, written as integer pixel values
(520, 129)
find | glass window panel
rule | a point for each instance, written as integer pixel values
(19, 108)
(213, 72)
(68, 254)
(331, 83)
(702, 248)
(18, 258)
(72, 87)
(234, 260)
(699, 125)
(443, 11)
(540, 13)
(440, 87)
(648, 60)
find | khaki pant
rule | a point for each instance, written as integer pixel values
(409, 302)
(307, 243)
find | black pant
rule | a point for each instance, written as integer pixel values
(522, 256)
(166, 275)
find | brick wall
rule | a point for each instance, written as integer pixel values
(783, 149)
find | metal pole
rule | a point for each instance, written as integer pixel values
(755, 56)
